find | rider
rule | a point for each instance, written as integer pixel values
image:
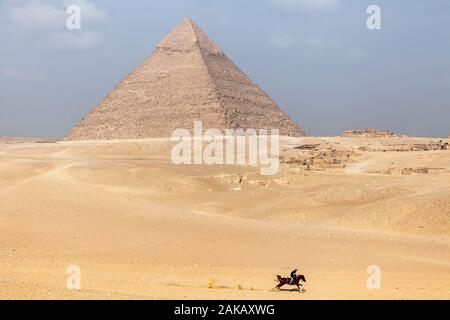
(294, 275)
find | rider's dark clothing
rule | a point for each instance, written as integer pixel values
(294, 275)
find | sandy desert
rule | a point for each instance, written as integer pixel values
(140, 227)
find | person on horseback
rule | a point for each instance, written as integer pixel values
(293, 276)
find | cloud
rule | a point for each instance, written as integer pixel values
(89, 11)
(48, 14)
(217, 15)
(304, 4)
(74, 40)
(319, 43)
(289, 40)
(38, 15)
(14, 73)
(330, 47)
(353, 56)
(45, 21)
(284, 41)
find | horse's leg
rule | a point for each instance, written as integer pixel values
(280, 285)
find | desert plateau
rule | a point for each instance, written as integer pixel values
(140, 227)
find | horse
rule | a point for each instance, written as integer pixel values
(287, 281)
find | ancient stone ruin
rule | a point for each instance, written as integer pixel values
(322, 156)
(187, 78)
(370, 133)
(400, 146)
(408, 171)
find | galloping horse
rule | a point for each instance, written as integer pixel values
(287, 281)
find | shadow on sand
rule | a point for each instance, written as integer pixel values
(291, 290)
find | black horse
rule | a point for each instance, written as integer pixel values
(288, 281)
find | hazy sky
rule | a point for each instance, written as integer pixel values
(315, 58)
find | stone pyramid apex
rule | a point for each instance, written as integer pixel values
(187, 35)
(188, 20)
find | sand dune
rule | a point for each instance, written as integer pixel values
(140, 227)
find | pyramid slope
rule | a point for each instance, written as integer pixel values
(187, 78)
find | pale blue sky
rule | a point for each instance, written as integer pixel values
(315, 58)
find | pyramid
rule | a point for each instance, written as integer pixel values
(187, 78)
